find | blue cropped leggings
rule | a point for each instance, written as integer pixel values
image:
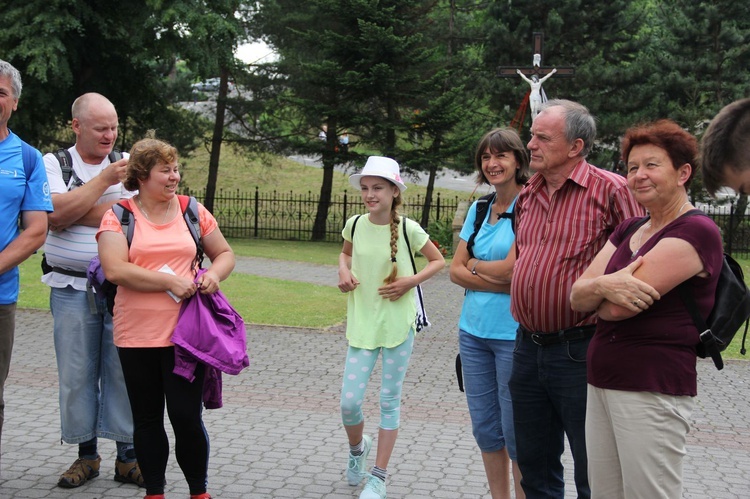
(359, 365)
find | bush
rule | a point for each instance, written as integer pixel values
(441, 234)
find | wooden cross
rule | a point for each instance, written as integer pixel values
(536, 68)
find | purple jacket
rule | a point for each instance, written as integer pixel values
(211, 332)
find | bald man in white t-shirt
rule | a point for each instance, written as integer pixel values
(93, 400)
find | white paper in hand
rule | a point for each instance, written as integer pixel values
(167, 270)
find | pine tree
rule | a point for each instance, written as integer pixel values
(346, 65)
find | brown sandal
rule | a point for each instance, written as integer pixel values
(129, 473)
(79, 473)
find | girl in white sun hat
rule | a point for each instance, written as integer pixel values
(375, 269)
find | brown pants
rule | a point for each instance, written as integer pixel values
(7, 331)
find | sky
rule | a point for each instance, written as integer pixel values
(253, 52)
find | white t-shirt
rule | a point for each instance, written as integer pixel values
(74, 247)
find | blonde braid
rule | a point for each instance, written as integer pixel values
(395, 224)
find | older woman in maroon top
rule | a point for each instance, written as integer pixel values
(642, 359)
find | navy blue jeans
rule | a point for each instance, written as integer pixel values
(548, 389)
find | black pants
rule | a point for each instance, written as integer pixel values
(149, 379)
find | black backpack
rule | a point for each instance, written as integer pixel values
(731, 306)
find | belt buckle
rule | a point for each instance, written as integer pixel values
(537, 338)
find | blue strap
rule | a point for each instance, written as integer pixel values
(29, 158)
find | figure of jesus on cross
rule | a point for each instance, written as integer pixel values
(536, 96)
(535, 76)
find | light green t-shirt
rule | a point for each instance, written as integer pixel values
(372, 321)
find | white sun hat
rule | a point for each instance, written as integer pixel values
(379, 166)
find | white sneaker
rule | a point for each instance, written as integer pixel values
(355, 471)
(374, 489)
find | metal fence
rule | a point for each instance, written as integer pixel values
(290, 216)
(736, 235)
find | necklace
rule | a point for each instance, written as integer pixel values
(647, 226)
(166, 213)
(681, 207)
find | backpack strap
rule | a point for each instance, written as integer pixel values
(114, 156)
(124, 214)
(354, 226)
(408, 247)
(28, 154)
(189, 207)
(511, 216)
(483, 205)
(422, 321)
(66, 165)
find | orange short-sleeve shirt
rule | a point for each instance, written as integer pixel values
(147, 320)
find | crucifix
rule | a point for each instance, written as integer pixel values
(536, 74)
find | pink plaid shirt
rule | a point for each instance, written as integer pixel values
(558, 238)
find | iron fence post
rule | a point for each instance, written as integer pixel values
(255, 228)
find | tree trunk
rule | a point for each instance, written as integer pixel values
(324, 201)
(428, 197)
(216, 139)
(433, 168)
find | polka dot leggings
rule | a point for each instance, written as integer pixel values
(359, 366)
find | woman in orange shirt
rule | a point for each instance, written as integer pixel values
(153, 275)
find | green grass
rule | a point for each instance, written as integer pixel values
(298, 251)
(33, 293)
(259, 300)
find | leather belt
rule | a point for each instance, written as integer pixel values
(570, 334)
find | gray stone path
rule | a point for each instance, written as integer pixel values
(280, 436)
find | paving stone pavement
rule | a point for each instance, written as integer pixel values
(279, 434)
